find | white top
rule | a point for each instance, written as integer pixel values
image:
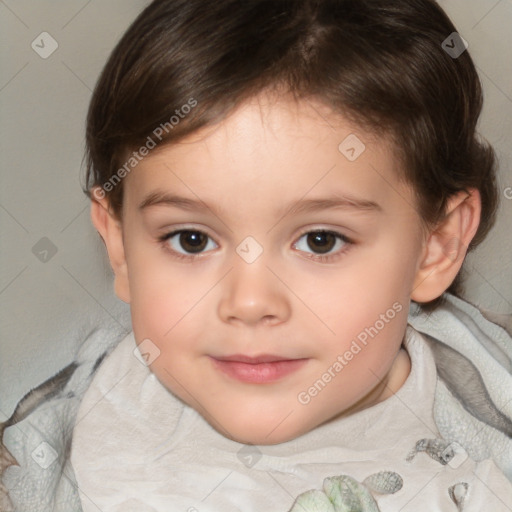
(136, 447)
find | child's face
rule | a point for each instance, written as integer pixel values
(336, 325)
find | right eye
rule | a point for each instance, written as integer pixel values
(187, 242)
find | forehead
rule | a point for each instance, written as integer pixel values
(276, 149)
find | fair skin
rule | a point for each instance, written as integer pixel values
(288, 303)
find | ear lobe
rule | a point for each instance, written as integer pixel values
(447, 246)
(110, 229)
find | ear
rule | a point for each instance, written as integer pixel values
(446, 246)
(110, 229)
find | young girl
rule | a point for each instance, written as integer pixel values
(286, 190)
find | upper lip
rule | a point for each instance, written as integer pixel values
(264, 358)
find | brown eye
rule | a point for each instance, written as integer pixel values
(188, 242)
(193, 241)
(321, 241)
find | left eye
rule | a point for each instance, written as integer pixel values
(321, 242)
(193, 242)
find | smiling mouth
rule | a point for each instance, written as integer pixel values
(257, 370)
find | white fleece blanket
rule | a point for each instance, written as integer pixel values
(488, 346)
(39, 436)
(40, 442)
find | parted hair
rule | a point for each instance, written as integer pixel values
(379, 63)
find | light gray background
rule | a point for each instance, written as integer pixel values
(47, 307)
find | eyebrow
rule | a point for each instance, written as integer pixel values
(346, 202)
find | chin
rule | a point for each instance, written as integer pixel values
(262, 433)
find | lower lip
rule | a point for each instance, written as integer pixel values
(260, 373)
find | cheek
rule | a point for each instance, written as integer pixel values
(387, 271)
(169, 305)
(368, 310)
(159, 294)
(367, 354)
(375, 281)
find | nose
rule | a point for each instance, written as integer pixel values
(253, 295)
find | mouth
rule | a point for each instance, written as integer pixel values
(257, 370)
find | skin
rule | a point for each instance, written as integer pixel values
(265, 156)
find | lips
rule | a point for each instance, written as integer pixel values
(254, 360)
(257, 370)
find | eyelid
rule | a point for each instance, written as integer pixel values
(168, 231)
(340, 232)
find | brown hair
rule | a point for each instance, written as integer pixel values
(379, 62)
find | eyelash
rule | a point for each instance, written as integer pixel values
(315, 257)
